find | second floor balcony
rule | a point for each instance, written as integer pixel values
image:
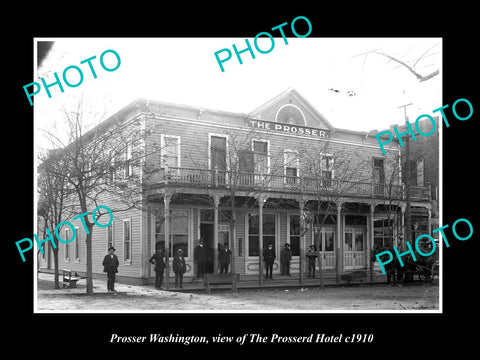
(252, 182)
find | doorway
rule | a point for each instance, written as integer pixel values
(354, 248)
(206, 233)
(324, 239)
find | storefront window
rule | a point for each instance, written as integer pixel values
(295, 234)
(269, 232)
(178, 231)
(382, 233)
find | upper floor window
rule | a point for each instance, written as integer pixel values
(420, 172)
(170, 150)
(260, 156)
(326, 166)
(218, 152)
(291, 166)
(127, 157)
(378, 171)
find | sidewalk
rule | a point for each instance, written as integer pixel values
(45, 284)
(277, 296)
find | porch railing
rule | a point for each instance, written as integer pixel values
(272, 182)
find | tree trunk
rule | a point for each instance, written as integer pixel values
(233, 247)
(55, 266)
(89, 259)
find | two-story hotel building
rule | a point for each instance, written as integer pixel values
(281, 173)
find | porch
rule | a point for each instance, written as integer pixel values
(224, 179)
(279, 281)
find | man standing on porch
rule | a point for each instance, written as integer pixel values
(200, 255)
(158, 261)
(268, 257)
(224, 257)
(285, 258)
(311, 255)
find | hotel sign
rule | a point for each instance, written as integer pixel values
(287, 128)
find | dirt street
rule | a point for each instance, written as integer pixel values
(132, 298)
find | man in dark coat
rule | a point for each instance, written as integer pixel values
(158, 261)
(200, 255)
(285, 258)
(179, 267)
(311, 256)
(110, 266)
(269, 257)
(224, 257)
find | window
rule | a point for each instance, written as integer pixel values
(127, 157)
(246, 161)
(269, 232)
(420, 174)
(413, 173)
(378, 171)
(170, 151)
(290, 114)
(383, 233)
(218, 152)
(178, 231)
(110, 236)
(127, 239)
(111, 175)
(295, 234)
(327, 169)
(291, 166)
(378, 176)
(260, 156)
(76, 250)
(67, 247)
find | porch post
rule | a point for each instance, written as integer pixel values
(371, 240)
(429, 221)
(402, 221)
(339, 240)
(260, 200)
(302, 239)
(166, 199)
(216, 201)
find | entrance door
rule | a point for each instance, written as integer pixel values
(354, 248)
(206, 233)
(325, 239)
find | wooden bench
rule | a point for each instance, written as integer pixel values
(218, 279)
(68, 279)
(352, 276)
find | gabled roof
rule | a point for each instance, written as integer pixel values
(270, 110)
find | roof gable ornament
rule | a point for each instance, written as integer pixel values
(291, 108)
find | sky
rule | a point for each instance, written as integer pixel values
(185, 71)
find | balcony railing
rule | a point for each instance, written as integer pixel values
(270, 182)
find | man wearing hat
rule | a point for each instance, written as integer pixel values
(285, 258)
(158, 261)
(311, 255)
(224, 257)
(110, 266)
(200, 255)
(179, 267)
(269, 257)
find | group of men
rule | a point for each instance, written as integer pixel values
(285, 259)
(179, 267)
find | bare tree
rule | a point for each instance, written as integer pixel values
(404, 63)
(98, 167)
(52, 199)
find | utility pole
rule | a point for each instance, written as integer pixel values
(408, 225)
